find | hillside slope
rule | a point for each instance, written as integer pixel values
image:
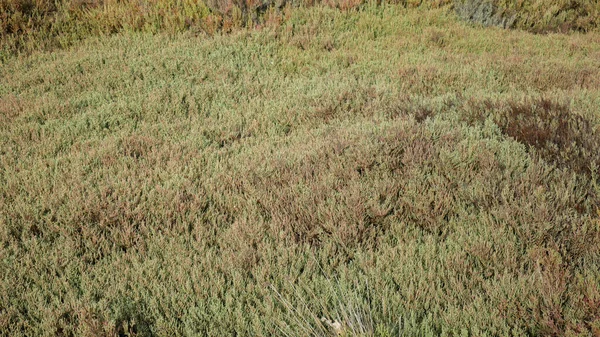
(394, 170)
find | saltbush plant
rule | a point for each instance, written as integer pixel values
(532, 15)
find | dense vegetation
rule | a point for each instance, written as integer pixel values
(392, 169)
(27, 25)
(533, 15)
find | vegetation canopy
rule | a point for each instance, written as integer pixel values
(339, 169)
(27, 25)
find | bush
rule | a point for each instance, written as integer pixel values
(537, 16)
(27, 25)
(484, 12)
(559, 135)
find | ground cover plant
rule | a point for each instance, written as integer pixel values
(394, 170)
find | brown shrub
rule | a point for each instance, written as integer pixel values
(555, 132)
(137, 146)
(10, 107)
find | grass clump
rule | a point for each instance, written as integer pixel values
(391, 170)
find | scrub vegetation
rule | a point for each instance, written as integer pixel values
(537, 16)
(27, 25)
(379, 171)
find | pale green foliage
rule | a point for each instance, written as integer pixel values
(532, 15)
(485, 12)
